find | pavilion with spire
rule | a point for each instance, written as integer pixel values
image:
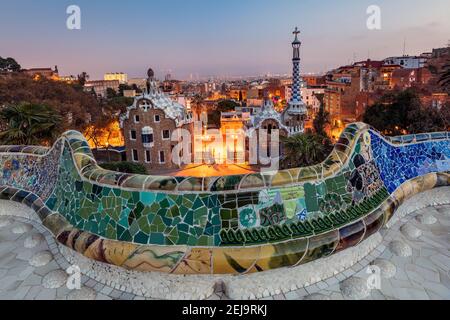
(291, 120)
(293, 116)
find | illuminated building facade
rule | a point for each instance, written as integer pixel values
(119, 76)
(100, 87)
(43, 73)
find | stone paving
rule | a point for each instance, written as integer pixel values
(414, 261)
(421, 275)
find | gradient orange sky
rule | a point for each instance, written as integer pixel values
(214, 37)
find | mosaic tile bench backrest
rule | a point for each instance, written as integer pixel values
(229, 224)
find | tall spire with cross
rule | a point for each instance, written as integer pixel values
(294, 114)
(296, 94)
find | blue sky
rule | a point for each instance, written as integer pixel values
(214, 37)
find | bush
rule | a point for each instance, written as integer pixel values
(126, 167)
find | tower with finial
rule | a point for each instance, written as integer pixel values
(296, 94)
(295, 112)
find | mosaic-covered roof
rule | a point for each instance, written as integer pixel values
(155, 98)
(267, 112)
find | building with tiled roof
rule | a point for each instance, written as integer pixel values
(148, 126)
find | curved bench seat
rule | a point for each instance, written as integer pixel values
(229, 224)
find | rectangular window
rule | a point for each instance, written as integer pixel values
(157, 118)
(166, 134)
(147, 156)
(136, 119)
(162, 157)
(135, 155)
(133, 134)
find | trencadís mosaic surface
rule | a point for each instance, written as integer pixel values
(230, 224)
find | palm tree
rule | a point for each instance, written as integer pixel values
(29, 124)
(321, 120)
(304, 150)
(197, 101)
(197, 105)
(444, 79)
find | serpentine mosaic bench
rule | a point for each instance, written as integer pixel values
(229, 224)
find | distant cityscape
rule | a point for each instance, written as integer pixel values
(345, 91)
(142, 130)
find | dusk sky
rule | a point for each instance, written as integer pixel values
(214, 37)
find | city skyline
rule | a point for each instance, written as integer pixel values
(214, 38)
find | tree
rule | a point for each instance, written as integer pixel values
(402, 112)
(82, 78)
(197, 103)
(30, 124)
(110, 93)
(197, 106)
(227, 105)
(104, 131)
(118, 104)
(79, 110)
(136, 88)
(63, 98)
(320, 121)
(378, 117)
(9, 65)
(305, 150)
(222, 106)
(123, 87)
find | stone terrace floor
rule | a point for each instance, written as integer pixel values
(414, 265)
